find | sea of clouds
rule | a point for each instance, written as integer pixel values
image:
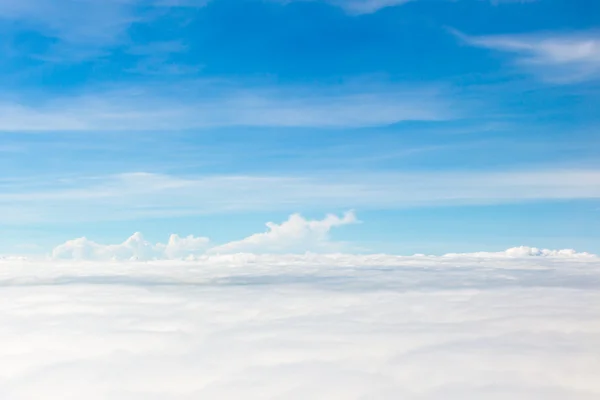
(513, 325)
(262, 318)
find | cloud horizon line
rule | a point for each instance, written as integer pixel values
(296, 236)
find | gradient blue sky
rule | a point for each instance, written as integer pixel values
(447, 126)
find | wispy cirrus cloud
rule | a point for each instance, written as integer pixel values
(366, 6)
(360, 7)
(83, 29)
(555, 57)
(206, 104)
(145, 195)
(73, 21)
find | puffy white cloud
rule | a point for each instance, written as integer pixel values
(273, 327)
(297, 234)
(179, 247)
(134, 248)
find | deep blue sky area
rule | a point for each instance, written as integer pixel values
(447, 126)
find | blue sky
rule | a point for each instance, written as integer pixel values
(446, 125)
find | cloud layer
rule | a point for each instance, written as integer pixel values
(269, 328)
(134, 248)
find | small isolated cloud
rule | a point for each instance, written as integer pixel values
(560, 58)
(297, 234)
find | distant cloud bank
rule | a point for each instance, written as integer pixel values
(297, 235)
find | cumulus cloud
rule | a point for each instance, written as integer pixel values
(295, 234)
(308, 239)
(561, 58)
(179, 247)
(134, 248)
(273, 327)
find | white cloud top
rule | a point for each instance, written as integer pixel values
(296, 235)
(134, 248)
(275, 327)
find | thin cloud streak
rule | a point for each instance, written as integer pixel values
(145, 195)
(198, 105)
(555, 57)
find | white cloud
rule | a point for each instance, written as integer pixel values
(562, 58)
(82, 28)
(274, 327)
(77, 29)
(525, 251)
(75, 21)
(180, 247)
(134, 248)
(145, 195)
(359, 7)
(295, 234)
(366, 6)
(196, 104)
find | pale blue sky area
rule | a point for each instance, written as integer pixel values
(448, 126)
